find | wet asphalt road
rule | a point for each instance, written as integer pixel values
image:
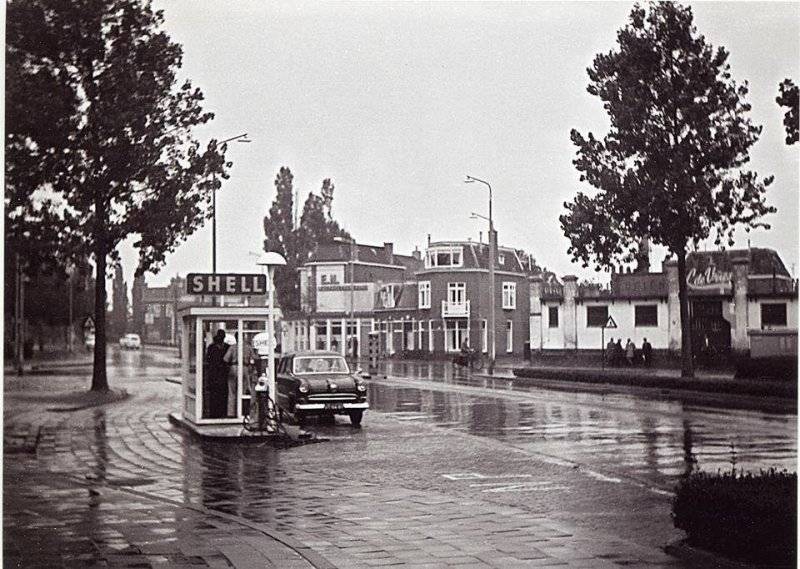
(604, 463)
(616, 437)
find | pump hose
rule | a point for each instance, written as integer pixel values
(271, 421)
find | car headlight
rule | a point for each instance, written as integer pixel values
(303, 389)
(361, 387)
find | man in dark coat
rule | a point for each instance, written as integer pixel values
(647, 352)
(217, 376)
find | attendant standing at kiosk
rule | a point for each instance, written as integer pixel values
(217, 376)
(232, 360)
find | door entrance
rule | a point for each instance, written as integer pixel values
(711, 333)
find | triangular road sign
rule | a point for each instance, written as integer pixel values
(88, 323)
(610, 323)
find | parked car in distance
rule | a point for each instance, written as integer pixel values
(319, 383)
(130, 342)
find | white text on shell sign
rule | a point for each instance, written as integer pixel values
(209, 283)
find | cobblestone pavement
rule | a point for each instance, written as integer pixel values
(119, 486)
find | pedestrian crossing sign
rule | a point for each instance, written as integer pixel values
(88, 323)
(610, 323)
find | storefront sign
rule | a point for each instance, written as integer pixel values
(261, 343)
(709, 279)
(208, 283)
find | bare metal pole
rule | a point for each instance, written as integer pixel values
(492, 287)
(352, 285)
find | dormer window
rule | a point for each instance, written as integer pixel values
(501, 259)
(444, 257)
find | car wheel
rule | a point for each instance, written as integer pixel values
(355, 417)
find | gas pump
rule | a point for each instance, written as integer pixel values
(263, 415)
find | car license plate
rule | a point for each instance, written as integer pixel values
(334, 406)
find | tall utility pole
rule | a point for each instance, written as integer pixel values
(492, 288)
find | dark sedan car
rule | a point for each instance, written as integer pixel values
(319, 383)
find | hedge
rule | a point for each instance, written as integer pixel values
(745, 517)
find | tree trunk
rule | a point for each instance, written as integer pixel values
(99, 378)
(687, 360)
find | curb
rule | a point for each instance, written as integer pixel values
(771, 404)
(682, 550)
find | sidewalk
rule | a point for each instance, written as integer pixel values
(73, 523)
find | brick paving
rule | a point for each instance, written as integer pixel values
(119, 486)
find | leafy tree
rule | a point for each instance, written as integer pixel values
(125, 161)
(297, 244)
(280, 237)
(317, 224)
(671, 166)
(788, 97)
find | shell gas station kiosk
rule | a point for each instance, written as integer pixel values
(222, 400)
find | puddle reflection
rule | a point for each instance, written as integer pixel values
(655, 439)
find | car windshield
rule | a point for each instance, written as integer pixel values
(320, 364)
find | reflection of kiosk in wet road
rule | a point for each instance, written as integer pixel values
(217, 396)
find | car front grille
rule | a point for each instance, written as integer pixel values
(332, 397)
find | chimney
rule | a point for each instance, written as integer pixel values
(480, 237)
(429, 239)
(416, 253)
(389, 252)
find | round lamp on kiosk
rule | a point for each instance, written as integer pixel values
(271, 260)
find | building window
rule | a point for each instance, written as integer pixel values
(509, 296)
(596, 316)
(773, 315)
(425, 294)
(484, 337)
(509, 336)
(387, 296)
(552, 317)
(646, 315)
(443, 257)
(456, 293)
(501, 259)
(455, 332)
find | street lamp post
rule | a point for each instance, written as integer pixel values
(350, 315)
(238, 138)
(492, 288)
(271, 260)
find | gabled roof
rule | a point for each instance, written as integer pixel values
(476, 256)
(329, 252)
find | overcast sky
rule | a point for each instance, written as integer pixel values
(397, 102)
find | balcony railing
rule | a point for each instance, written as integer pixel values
(455, 309)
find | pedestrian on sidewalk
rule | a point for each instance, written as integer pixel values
(217, 376)
(619, 353)
(610, 350)
(630, 352)
(647, 352)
